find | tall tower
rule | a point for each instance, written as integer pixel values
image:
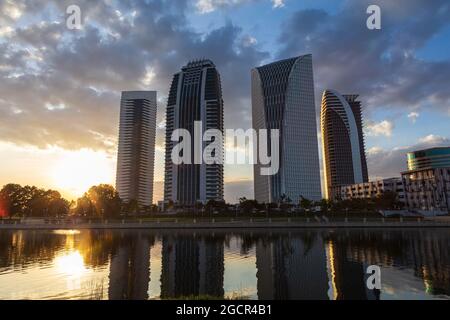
(195, 96)
(135, 164)
(342, 141)
(283, 98)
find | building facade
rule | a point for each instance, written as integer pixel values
(283, 99)
(195, 96)
(429, 158)
(136, 154)
(427, 181)
(370, 190)
(343, 146)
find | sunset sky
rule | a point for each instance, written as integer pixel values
(60, 88)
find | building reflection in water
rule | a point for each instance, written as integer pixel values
(348, 278)
(289, 265)
(292, 268)
(192, 266)
(129, 274)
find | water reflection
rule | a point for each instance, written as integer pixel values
(305, 264)
(192, 266)
(129, 270)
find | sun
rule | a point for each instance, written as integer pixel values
(77, 171)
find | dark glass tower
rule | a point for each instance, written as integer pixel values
(342, 141)
(195, 95)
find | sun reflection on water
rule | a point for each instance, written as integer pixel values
(71, 264)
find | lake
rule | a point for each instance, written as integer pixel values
(262, 264)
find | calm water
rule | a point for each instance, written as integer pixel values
(314, 264)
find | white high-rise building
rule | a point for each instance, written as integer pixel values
(283, 98)
(135, 163)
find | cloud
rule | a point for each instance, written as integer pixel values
(413, 116)
(248, 41)
(382, 66)
(384, 163)
(383, 128)
(278, 3)
(45, 66)
(432, 139)
(207, 6)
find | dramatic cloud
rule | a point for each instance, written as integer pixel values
(62, 87)
(383, 128)
(389, 163)
(382, 66)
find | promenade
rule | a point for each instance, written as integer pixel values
(184, 223)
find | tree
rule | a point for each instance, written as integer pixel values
(30, 201)
(247, 205)
(305, 204)
(325, 205)
(212, 205)
(101, 201)
(12, 200)
(388, 201)
(84, 206)
(130, 207)
(285, 202)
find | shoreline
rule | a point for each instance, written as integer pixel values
(228, 225)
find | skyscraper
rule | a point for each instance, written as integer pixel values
(195, 95)
(283, 98)
(135, 164)
(342, 141)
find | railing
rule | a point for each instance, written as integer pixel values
(237, 221)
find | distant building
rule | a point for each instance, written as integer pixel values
(429, 159)
(369, 190)
(195, 95)
(135, 163)
(342, 141)
(427, 181)
(283, 99)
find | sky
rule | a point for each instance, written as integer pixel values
(60, 88)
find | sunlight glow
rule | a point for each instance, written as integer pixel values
(77, 171)
(71, 264)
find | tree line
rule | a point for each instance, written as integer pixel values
(99, 201)
(103, 201)
(387, 201)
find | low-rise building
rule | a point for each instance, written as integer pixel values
(372, 189)
(427, 181)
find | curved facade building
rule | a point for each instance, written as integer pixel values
(195, 96)
(342, 141)
(429, 159)
(283, 98)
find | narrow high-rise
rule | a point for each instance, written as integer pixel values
(283, 98)
(135, 163)
(195, 96)
(342, 142)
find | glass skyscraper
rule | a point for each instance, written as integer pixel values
(283, 98)
(342, 142)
